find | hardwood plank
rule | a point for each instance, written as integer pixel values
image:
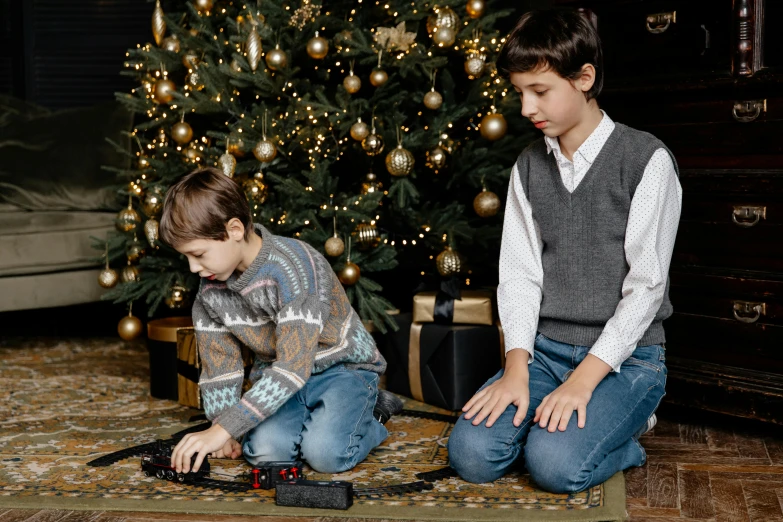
(83, 516)
(51, 515)
(18, 515)
(762, 502)
(721, 468)
(633, 503)
(692, 434)
(662, 486)
(666, 428)
(726, 461)
(729, 500)
(657, 519)
(718, 438)
(695, 494)
(774, 449)
(654, 512)
(686, 452)
(769, 478)
(636, 483)
(751, 447)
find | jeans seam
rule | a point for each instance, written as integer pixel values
(516, 434)
(356, 426)
(600, 443)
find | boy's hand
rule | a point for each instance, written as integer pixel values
(203, 443)
(495, 398)
(230, 450)
(556, 408)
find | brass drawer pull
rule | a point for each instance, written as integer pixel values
(658, 23)
(743, 215)
(746, 307)
(747, 111)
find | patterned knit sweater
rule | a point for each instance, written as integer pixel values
(290, 309)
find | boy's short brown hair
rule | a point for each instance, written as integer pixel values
(199, 205)
(559, 40)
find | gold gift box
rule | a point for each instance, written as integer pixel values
(475, 307)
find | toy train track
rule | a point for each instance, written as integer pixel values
(395, 489)
(438, 474)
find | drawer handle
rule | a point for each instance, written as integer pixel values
(742, 215)
(659, 22)
(745, 307)
(747, 111)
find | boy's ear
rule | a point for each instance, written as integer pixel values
(587, 78)
(235, 229)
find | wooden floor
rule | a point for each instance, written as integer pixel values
(699, 467)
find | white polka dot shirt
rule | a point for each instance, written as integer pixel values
(649, 241)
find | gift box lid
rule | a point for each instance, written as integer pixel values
(165, 329)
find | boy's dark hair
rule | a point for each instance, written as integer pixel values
(560, 40)
(199, 205)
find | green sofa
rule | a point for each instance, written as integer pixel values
(54, 196)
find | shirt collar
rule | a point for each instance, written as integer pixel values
(588, 152)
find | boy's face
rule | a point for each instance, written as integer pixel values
(214, 259)
(554, 104)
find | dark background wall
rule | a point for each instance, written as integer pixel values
(60, 54)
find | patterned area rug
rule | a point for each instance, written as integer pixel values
(64, 403)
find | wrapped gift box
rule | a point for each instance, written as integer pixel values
(162, 346)
(472, 307)
(442, 365)
(189, 368)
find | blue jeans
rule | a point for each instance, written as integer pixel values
(575, 459)
(328, 423)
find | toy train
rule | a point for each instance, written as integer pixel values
(156, 461)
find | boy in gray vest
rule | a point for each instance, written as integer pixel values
(590, 223)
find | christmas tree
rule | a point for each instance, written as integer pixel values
(373, 131)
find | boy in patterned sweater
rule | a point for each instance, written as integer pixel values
(314, 391)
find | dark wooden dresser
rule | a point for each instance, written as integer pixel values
(706, 77)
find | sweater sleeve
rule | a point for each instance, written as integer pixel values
(221, 362)
(299, 324)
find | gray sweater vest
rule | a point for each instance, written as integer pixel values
(584, 235)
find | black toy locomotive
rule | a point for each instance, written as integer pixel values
(157, 462)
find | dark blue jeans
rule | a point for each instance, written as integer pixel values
(575, 459)
(328, 423)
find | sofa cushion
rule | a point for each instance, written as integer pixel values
(35, 242)
(53, 161)
(13, 110)
(49, 290)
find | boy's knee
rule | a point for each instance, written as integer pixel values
(475, 456)
(268, 449)
(554, 467)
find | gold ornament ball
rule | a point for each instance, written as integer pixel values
(108, 278)
(378, 77)
(177, 297)
(445, 17)
(486, 204)
(152, 202)
(433, 100)
(448, 263)
(399, 162)
(127, 219)
(318, 47)
(475, 8)
(190, 59)
(371, 184)
(130, 274)
(129, 327)
(493, 126)
(474, 65)
(334, 246)
(171, 43)
(276, 59)
(151, 228)
(265, 151)
(181, 132)
(367, 235)
(193, 80)
(359, 130)
(203, 5)
(372, 145)
(255, 188)
(436, 158)
(350, 274)
(135, 251)
(352, 83)
(164, 91)
(227, 164)
(444, 36)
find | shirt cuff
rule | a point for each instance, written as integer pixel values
(524, 340)
(610, 355)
